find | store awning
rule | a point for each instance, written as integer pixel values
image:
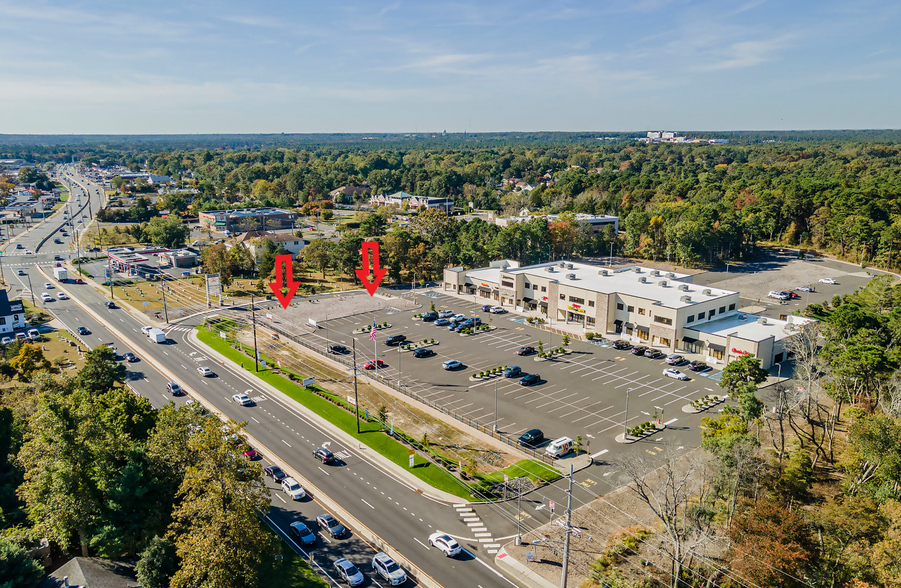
(643, 329)
(716, 347)
(527, 300)
(689, 340)
(629, 326)
(617, 322)
(543, 304)
(495, 291)
(484, 289)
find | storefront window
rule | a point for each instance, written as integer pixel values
(664, 341)
(715, 353)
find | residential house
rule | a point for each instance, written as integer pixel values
(93, 572)
(12, 314)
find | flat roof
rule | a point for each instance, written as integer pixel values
(625, 280)
(249, 211)
(746, 326)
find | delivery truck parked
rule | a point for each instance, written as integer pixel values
(157, 335)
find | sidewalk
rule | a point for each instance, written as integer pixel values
(370, 455)
(527, 575)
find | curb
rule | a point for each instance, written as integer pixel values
(525, 574)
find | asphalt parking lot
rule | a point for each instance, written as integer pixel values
(583, 393)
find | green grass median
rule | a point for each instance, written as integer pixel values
(371, 434)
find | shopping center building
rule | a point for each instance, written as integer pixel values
(644, 305)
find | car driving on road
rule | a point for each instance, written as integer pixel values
(828, 281)
(330, 524)
(324, 455)
(302, 533)
(242, 399)
(174, 389)
(275, 472)
(349, 572)
(205, 372)
(388, 569)
(293, 489)
(445, 544)
(83, 330)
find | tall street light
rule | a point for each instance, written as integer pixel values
(626, 415)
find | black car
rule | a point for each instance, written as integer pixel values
(423, 352)
(83, 331)
(330, 524)
(275, 473)
(486, 308)
(395, 339)
(337, 349)
(324, 455)
(622, 345)
(430, 316)
(110, 304)
(530, 379)
(654, 354)
(698, 366)
(639, 350)
(531, 438)
(302, 533)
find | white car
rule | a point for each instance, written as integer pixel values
(445, 314)
(777, 295)
(48, 286)
(146, 329)
(445, 544)
(46, 297)
(822, 280)
(804, 289)
(498, 310)
(205, 371)
(674, 373)
(293, 489)
(62, 296)
(242, 399)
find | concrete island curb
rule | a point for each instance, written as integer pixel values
(525, 574)
(394, 470)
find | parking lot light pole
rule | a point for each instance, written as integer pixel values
(626, 415)
(326, 333)
(660, 408)
(495, 405)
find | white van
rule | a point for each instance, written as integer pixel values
(559, 447)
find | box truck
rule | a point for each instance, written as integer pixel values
(60, 274)
(157, 335)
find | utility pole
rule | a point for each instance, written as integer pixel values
(519, 517)
(495, 405)
(163, 290)
(569, 510)
(356, 401)
(253, 319)
(33, 303)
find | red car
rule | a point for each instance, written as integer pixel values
(527, 350)
(374, 363)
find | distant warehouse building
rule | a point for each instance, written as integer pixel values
(247, 219)
(640, 304)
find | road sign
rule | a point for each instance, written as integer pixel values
(213, 284)
(412, 457)
(506, 478)
(308, 382)
(351, 401)
(552, 506)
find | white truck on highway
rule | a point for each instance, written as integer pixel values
(60, 274)
(157, 335)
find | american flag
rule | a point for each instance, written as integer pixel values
(372, 332)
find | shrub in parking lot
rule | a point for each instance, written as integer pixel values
(565, 339)
(475, 375)
(589, 336)
(481, 374)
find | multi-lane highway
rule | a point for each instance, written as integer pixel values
(401, 517)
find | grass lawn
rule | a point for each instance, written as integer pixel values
(292, 570)
(534, 470)
(371, 434)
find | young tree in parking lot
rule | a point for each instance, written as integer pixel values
(217, 529)
(101, 371)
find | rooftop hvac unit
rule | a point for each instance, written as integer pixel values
(662, 283)
(655, 273)
(569, 266)
(761, 320)
(603, 273)
(550, 270)
(562, 264)
(636, 269)
(742, 317)
(642, 280)
(708, 292)
(683, 288)
(570, 276)
(685, 299)
(671, 276)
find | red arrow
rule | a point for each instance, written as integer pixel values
(377, 273)
(290, 285)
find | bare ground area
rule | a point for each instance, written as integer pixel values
(297, 316)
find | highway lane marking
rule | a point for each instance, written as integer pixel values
(367, 504)
(280, 498)
(285, 442)
(324, 537)
(324, 472)
(254, 420)
(420, 542)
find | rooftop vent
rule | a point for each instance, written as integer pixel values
(671, 276)
(642, 280)
(685, 299)
(662, 283)
(570, 276)
(708, 292)
(655, 273)
(561, 264)
(683, 288)
(603, 273)
(761, 320)
(550, 270)
(742, 317)
(569, 266)
(636, 269)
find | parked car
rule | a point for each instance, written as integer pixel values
(486, 308)
(512, 371)
(804, 289)
(442, 322)
(242, 399)
(530, 380)
(654, 354)
(324, 455)
(698, 366)
(348, 572)
(675, 360)
(302, 533)
(388, 569)
(395, 340)
(674, 373)
(525, 350)
(331, 525)
(337, 349)
(174, 389)
(293, 489)
(639, 350)
(622, 345)
(6, 340)
(423, 352)
(559, 447)
(445, 544)
(373, 363)
(531, 438)
(430, 316)
(445, 314)
(452, 364)
(275, 472)
(498, 310)
(828, 281)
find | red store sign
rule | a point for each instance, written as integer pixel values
(740, 352)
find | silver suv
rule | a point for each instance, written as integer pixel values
(388, 569)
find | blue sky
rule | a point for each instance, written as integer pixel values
(198, 66)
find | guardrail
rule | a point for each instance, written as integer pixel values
(504, 438)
